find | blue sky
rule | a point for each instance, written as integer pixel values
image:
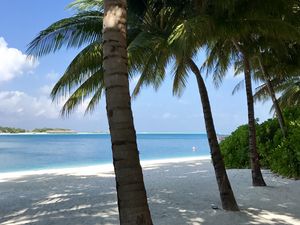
(25, 85)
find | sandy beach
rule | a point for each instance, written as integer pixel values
(180, 192)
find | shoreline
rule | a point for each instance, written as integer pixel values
(180, 191)
(90, 169)
(106, 133)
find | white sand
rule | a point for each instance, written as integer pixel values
(180, 192)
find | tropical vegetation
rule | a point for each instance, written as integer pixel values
(45, 130)
(11, 130)
(258, 38)
(279, 153)
(35, 130)
(153, 39)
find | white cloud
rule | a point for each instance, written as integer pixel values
(13, 62)
(21, 105)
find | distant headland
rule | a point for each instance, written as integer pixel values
(12, 130)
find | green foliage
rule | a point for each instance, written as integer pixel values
(269, 136)
(291, 113)
(281, 155)
(286, 156)
(44, 130)
(235, 148)
(11, 130)
(287, 88)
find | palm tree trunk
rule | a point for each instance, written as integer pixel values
(132, 198)
(226, 193)
(273, 97)
(257, 178)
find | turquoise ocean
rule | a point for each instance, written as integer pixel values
(49, 151)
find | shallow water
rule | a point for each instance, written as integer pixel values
(28, 152)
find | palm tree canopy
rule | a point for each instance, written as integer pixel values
(287, 88)
(159, 32)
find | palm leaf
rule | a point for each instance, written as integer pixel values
(84, 65)
(83, 28)
(94, 84)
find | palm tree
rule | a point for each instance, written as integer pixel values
(266, 77)
(132, 198)
(288, 89)
(257, 178)
(221, 53)
(113, 76)
(277, 66)
(232, 27)
(85, 75)
(168, 38)
(237, 25)
(264, 91)
(290, 92)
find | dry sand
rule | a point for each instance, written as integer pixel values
(180, 192)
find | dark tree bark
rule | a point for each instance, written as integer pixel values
(132, 198)
(273, 97)
(257, 178)
(226, 193)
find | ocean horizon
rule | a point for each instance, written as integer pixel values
(23, 152)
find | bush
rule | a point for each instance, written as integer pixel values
(235, 148)
(281, 155)
(285, 158)
(269, 136)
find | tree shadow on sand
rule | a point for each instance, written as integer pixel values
(179, 193)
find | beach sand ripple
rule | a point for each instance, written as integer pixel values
(180, 192)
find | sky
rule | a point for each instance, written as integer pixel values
(25, 85)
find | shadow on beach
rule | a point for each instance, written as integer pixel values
(179, 193)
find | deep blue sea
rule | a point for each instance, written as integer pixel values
(31, 152)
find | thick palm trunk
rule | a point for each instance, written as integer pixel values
(226, 193)
(132, 198)
(273, 97)
(257, 178)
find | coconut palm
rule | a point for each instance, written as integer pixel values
(277, 66)
(238, 25)
(266, 77)
(110, 72)
(257, 178)
(290, 92)
(222, 57)
(170, 39)
(288, 89)
(275, 58)
(132, 198)
(86, 76)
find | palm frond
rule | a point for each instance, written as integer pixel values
(86, 5)
(148, 56)
(84, 65)
(290, 95)
(240, 85)
(180, 75)
(83, 28)
(94, 100)
(93, 84)
(262, 93)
